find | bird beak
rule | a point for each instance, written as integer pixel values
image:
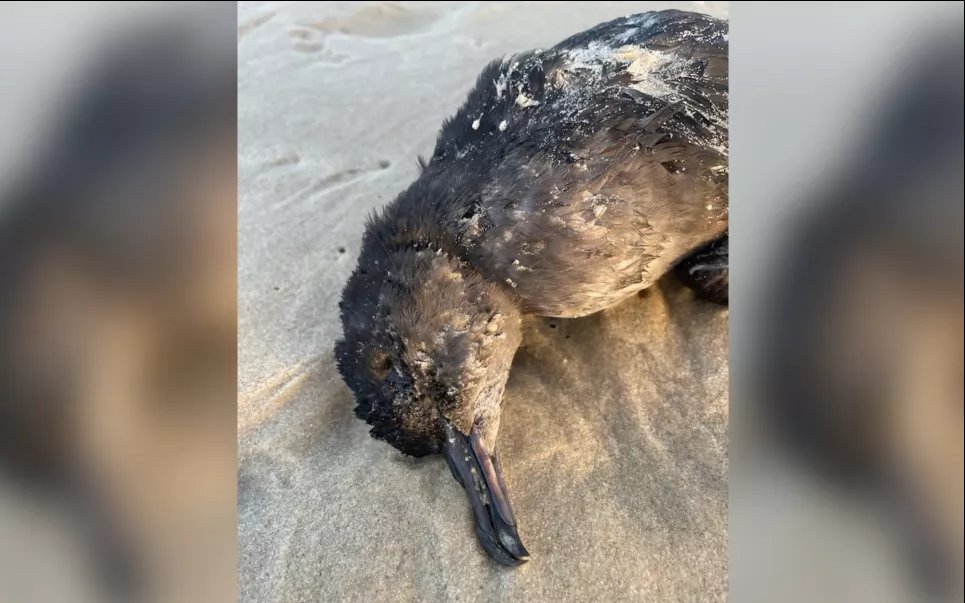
(478, 471)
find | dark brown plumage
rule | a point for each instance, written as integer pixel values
(570, 179)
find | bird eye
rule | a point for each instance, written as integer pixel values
(379, 364)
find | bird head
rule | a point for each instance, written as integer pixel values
(427, 347)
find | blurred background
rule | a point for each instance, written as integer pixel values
(117, 301)
(846, 302)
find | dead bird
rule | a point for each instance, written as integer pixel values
(570, 179)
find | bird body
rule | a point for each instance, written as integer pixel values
(577, 175)
(571, 178)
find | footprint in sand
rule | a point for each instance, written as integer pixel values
(382, 20)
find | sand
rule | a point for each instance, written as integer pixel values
(614, 436)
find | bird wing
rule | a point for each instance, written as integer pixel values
(586, 169)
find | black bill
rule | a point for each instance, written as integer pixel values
(479, 473)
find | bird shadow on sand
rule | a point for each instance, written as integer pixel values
(630, 406)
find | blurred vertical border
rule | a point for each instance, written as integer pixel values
(117, 301)
(846, 301)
